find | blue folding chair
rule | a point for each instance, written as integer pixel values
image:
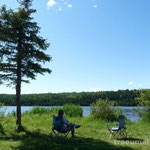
(118, 130)
(57, 127)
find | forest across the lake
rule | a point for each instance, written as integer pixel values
(120, 97)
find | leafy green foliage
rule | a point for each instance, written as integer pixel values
(144, 100)
(39, 110)
(121, 98)
(73, 110)
(21, 48)
(25, 3)
(13, 113)
(104, 110)
(2, 112)
(69, 110)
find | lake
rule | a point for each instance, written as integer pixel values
(128, 111)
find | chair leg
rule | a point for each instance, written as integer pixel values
(115, 134)
(66, 134)
(118, 134)
(61, 134)
(123, 133)
(54, 131)
(55, 134)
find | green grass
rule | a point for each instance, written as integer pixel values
(93, 135)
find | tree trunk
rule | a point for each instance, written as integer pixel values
(18, 103)
(18, 87)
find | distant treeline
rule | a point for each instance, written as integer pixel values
(121, 97)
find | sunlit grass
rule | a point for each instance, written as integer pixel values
(92, 135)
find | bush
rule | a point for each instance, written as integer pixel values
(69, 109)
(104, 110)
(2, 112)
(55, 110)
(13, 113)
(73, 110)
(39, 110)
(144, 100)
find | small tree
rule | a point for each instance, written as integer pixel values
(22, 50)
(103, 110)
(144, 100)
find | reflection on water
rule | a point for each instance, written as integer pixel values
(128, 111)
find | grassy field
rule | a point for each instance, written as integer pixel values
(93, 135)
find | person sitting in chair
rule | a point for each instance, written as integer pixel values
(67, 126)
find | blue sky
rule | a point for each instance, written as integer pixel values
(95, 45)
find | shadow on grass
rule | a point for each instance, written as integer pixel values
(39, 141)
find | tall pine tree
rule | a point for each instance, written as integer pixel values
(22, 50)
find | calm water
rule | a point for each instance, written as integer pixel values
(128, 111)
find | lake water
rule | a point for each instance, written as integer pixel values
(128, 111)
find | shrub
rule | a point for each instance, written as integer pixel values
(2, 112)
(54, 110)
(73, 110)
(119, 111)
(38, 110)
(69, 109)
(144, 100)
(13, 113)
(104, 110)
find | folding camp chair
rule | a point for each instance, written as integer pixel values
(57, 127)
(119, 131)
